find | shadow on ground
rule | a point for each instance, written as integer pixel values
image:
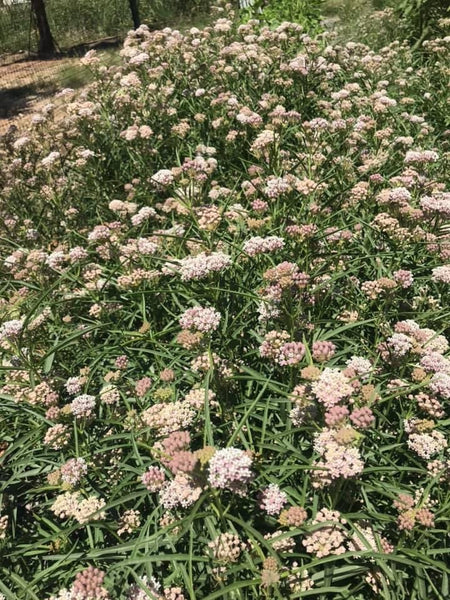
(21, 98)
(25, 79)
(103, 44)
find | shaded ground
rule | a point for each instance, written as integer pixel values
(26, 83)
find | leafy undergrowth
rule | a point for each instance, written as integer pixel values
(223, 325)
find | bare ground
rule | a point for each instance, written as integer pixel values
(27, 83)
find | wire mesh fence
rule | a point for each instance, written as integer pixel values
(75, 26)
(77, 21)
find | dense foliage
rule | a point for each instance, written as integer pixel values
(380, 22)
(305, 12)
(224, 324)
(419, 18)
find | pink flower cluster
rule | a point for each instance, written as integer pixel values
(323, 351)
(153, 479)
(259, 245)
(441, 274)
(330, 538)
(331, 387)
(175, 453)
(88, 585)
(338, 460)
(11, 329)
(410, 513)
(205, 320)
(438, 203)
(182, 491)
(168, 417)
(404, 278)
(83, 406)
(272, 499)
(142, 386)
(73, 471)
(230, 469)
(276, 347)
(200, 266)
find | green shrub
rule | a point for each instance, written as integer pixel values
(419, 18)
(305, 12)
(224, 324)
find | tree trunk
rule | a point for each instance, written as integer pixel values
(135, 13)
(46, 42)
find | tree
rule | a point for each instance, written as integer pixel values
(46, 42)
(135, 13)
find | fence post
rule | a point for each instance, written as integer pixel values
(135, 13)
(46, 43)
